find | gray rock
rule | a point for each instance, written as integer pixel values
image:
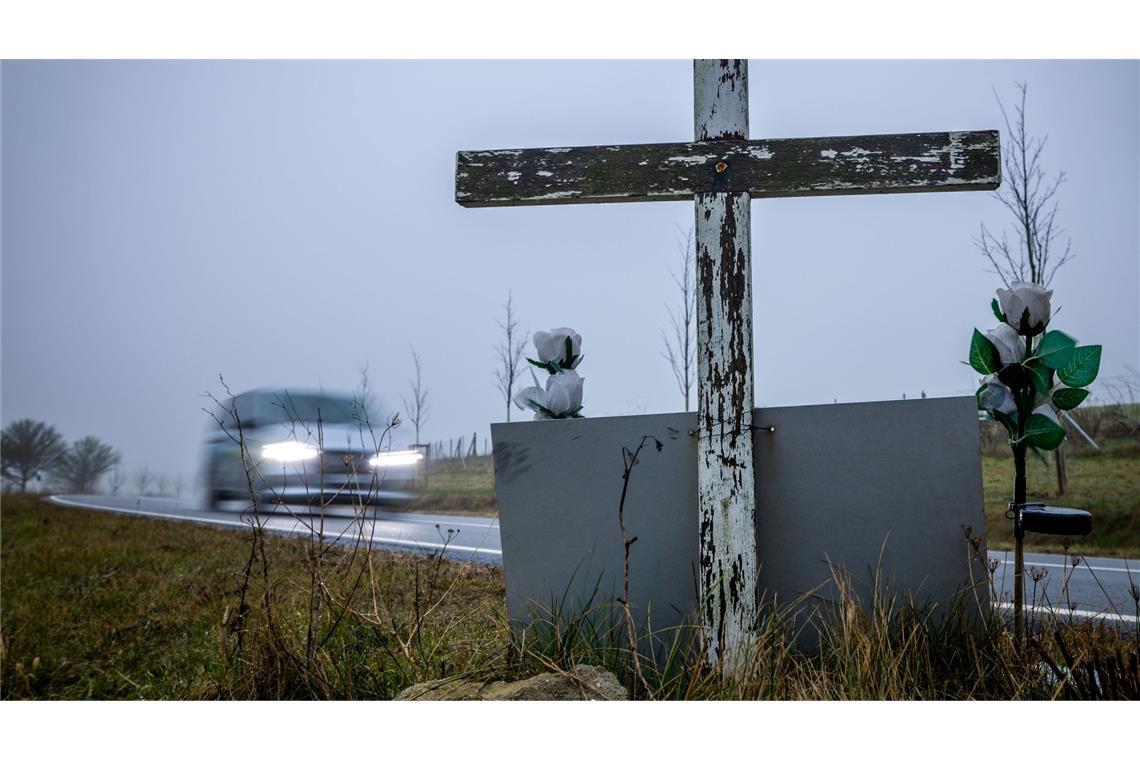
(582, 682)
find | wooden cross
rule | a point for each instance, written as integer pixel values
(721, 172)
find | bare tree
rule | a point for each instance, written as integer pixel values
(162, 487)
(29, 450)
(143, 480)
(1028, 192)
(365, 402)
(417, 406)
(115, 482)
(680, 345)
(509, 353)
(82, 465)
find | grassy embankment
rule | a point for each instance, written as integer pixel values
(106, 606)
(1107, 483)
(455, 488)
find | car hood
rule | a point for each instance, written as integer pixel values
(349, 438)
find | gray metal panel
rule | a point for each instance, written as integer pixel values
(838, 482)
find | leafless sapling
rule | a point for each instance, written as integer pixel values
(680, 343)
(115, 481)
(509, 353)
(143, 480)
(1028, 192)
(417, 406)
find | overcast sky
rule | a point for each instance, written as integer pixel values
(287, 223)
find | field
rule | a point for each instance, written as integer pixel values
(458, 488)
(1106, 483)
(99, 606)
(104, 606)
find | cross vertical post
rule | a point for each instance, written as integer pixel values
(726, 482)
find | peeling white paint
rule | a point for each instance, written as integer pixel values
(957, 159)
(513, 176)
(760, 151)
(932, 156)
(859, 155)
(726, 481)
(544, 173)
(556, 195)
(829, 153)
(691, 160)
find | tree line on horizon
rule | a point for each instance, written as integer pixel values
(35, 452)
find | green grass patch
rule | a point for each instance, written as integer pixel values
(456, 488)
(1106, 483)
(100, 606)
(116, 607)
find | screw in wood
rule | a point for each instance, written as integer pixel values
(720, 166)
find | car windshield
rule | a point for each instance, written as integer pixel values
(301, 407)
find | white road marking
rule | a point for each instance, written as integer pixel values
(1064, 611)
(411, 517)
(1094, 568)
(288, 531)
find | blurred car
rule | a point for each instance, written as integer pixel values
(304, 449)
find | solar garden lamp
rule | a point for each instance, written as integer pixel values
(1036, 517)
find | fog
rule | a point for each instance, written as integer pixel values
(289, 223)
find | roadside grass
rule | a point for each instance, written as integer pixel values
(1107, 483)
(99, 606)
(455, 488)
(116, 607)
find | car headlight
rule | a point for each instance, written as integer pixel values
(396, 459)
(289, 451)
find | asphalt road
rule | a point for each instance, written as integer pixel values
(461, 538)
(1093, 587)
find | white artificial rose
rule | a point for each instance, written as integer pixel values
(551, 346)
(996, 397)
(1020, 297)
(524, 398)
(1010, 345)
(564, 393)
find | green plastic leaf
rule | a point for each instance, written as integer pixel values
(983, 355)
(1008, 422)
(1056, 349)
(1082, 368)
(1041, 377)
(997, 310)
(548, 367)
(1042, 433)
(1069, 398)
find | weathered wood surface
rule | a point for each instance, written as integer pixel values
(899, 163)
(726, 477)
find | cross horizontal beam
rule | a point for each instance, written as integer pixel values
(902, 163)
